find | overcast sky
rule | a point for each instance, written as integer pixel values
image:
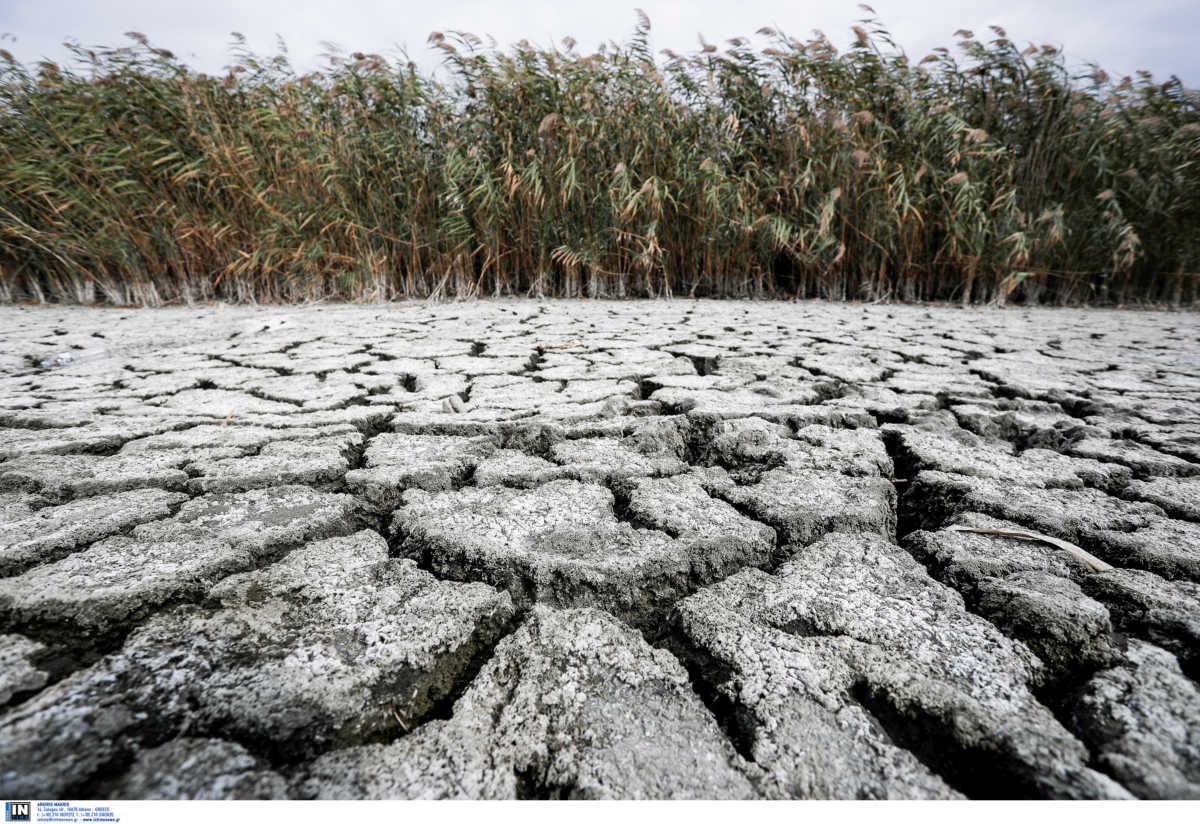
(1159, 35)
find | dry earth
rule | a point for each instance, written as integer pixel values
(676, 549)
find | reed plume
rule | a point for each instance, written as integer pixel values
(785, 168)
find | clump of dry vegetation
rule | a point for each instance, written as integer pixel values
(779, 168)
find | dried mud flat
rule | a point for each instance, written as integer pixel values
(531, 550)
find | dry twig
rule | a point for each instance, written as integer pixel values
(1086, 558)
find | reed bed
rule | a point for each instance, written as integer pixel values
(763, 167)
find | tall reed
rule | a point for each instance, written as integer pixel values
(785, 168)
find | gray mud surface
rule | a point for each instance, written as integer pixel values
(599, 550)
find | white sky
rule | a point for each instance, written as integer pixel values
(1158, 35)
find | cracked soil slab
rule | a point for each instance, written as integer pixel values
(599, 549)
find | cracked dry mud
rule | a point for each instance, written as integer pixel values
(595, 550)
